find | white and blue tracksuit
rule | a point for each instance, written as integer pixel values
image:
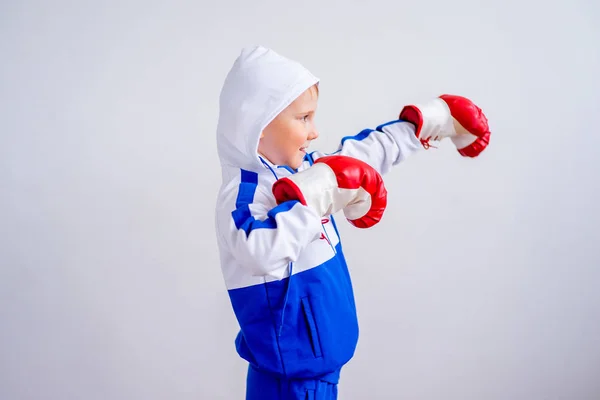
(283, 265)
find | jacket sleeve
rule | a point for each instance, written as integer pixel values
(264, 237)
(382, 147)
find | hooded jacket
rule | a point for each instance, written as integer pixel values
(283, 265)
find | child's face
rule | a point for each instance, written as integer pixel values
(285, 140)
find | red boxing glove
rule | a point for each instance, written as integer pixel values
(336, 183)
(450, 116)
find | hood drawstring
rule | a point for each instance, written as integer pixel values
(290, 267)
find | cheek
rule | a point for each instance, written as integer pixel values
(288, 138)
(299, 136)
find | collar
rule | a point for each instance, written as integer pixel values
(277, 170)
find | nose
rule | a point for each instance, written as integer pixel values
(313, 134)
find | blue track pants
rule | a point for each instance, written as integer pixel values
(261, 386)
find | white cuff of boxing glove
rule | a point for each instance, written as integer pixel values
(321, 191)
(438, 124)
(437, 120)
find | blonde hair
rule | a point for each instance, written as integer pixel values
(314, 89)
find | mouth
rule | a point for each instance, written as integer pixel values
(303, 149)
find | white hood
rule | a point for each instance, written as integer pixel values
(259, 86)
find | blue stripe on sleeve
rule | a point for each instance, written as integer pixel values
(366, 132)
(360, 136)
(242, 216)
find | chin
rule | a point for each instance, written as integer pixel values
(295, 164)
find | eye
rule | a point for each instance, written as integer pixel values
(305, 118)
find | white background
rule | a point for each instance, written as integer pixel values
(481, 282)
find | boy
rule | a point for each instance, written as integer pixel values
(281, 254)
